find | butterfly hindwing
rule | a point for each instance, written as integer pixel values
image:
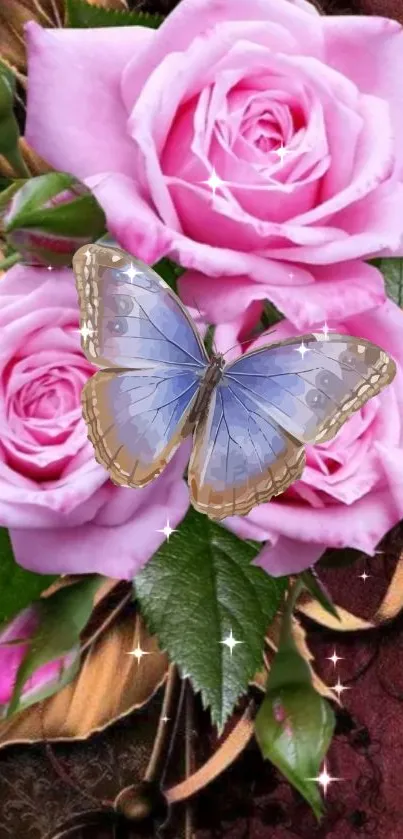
(137, 420)
(241, 457)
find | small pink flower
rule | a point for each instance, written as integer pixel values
(63, 513)
(255, 139)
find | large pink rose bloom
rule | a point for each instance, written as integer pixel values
(300, 114)
(351, 491)
(64, 514)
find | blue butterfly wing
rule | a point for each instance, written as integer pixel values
(249, 444)
(129, 316)
(136, 416)
(312, 384)
(241, 456)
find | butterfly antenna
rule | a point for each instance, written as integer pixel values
(247, 341)
(212, 337)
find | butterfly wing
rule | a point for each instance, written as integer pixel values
(312, 385)
(241, 456)
(129, 317)
(249, 444)
(137, 410)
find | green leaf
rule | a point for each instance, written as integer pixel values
(318, 591)
(62, 617)
(294, 725)
(83, 15)
(18, 587)
(169, 271)
(198, 588)
(392, 270)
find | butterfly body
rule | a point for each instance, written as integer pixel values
(249, 418)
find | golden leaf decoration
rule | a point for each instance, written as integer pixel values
(390, 607)
(110, 685)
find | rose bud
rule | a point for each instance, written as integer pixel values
(49, 218)
(46, 679)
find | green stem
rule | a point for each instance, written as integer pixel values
(292, 597)
(17, 162)
(9, 261)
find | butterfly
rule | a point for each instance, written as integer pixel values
(249, 418)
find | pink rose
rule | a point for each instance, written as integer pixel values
(11, 655)
(64, 514)
(146, 117)
(351, 491)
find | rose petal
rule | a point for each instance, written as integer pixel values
(74, 96)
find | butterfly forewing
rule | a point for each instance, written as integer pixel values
(137, 416)
(312, 385)
(129, 317)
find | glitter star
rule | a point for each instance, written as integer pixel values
(138, 653)
(214, 182)
(324, 779)
(339, 688)
(50, 267)
(364, 576)
(302, 349)
(325, 330)
(86, 331)
(281, 153)
(167, 530)
(334, 658)
(132, 272)
(230, 642)
(165, 718)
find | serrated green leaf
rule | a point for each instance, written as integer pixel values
(316, 588)
(197, 589)
(392, 270)
(81, 15)
(18, 587)
(62, 617)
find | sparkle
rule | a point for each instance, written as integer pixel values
(230, 642)
(302, 349)
(334, 658)
(281, 153)
(325, 330)
(138, 653)
(214, 182)
(132, 272)
(86, 331)
(165, 718)
(324, 779)
(50, 267)
(339, 688)
(167, 530)
(364, 576)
